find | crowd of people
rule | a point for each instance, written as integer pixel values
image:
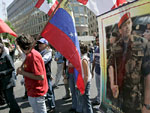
(128, 63)
(37, 76)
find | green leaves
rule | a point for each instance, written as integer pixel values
(8, 36)
(49, 1)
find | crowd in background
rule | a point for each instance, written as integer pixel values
(127, 51)
(36, 70)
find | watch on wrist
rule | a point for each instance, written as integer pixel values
(147, 106)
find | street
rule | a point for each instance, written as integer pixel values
(62, 106)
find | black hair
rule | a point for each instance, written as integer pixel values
(97, 36)
(83, 48)
(25, 41)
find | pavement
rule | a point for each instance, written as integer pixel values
(62, 106)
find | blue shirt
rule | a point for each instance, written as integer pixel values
(59, 57)
(97, 60)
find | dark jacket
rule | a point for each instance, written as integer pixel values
(7, 76)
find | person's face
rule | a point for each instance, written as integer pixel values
(147, 34)
(112, 39)
(42, 46)
(126, 28)
(97, 41)
(94, 34)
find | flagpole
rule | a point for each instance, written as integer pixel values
(38, 37)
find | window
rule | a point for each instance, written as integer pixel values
(77, 20)
(85, 10)
(44, 17)
(86, 20)
(75, 9)
(39, 20)
(81, 9)
(97, 30)
(78, 33)
(82, 20)
(84, 33)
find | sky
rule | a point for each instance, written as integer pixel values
(7, 4)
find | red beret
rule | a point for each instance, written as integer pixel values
(125, 17)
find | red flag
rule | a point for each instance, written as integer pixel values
(4, 28)
(101, 6)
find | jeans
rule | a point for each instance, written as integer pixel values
(50, 94)
(10, 99)
(76, 96)
(98, 86)
(73, 90)
(87, 108)
(38, 104)
(59, 73)
(79, 107)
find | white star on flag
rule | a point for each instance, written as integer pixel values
(71, 34)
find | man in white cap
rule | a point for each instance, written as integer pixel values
(47, 57)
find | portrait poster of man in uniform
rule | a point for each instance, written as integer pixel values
(123, 80)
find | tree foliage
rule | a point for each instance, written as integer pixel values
(8, 36)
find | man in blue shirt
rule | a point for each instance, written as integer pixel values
(96, 66)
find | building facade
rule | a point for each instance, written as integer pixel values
(93, 23)
(25, 18)
(81, 17)
(29, 20)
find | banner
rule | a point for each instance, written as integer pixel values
(123, 35)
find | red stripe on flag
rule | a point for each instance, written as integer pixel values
(118, 3)
(53, 8)
(84, 2)
(80, 84)
(62, 43)
(39, 3)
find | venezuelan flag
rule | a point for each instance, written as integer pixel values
(61, 34)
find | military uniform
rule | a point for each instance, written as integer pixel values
(126, 58)
(109, 92)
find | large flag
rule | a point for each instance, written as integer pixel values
(4, 28)
(101, 6)
(61, 34)
(47, 6)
